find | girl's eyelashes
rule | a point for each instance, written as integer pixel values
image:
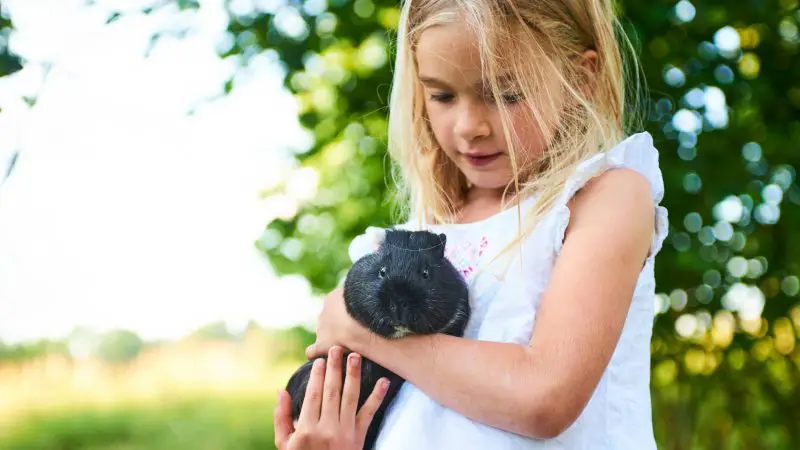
(441, 97)
(508, 98)
(513, 97)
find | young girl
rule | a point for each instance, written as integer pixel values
(508, 124)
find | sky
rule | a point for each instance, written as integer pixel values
(123, 210)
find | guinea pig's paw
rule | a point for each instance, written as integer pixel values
(366, 243)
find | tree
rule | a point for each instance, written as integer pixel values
(119, 346)
(215, 331)
(9, 62)
(27, 351)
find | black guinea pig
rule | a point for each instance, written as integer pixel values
(406, 287)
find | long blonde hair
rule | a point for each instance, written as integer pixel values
(532, 39)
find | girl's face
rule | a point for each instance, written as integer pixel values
(462, 113)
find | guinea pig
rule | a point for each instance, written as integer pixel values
(406, 287)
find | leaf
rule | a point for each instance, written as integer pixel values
(113, 17)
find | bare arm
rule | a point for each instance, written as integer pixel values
(539, 390)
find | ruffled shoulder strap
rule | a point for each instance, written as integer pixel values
(638, 153)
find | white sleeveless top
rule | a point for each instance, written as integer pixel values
(505, 297)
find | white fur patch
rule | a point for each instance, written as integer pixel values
(400, 332)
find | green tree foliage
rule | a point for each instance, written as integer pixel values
(9, 62)
(337, 60)
(21, 352)
(119, 346)
(725, 114)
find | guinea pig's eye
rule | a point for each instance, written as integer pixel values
(382, 272)
(426, 273)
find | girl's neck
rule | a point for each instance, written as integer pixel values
(480, 204)
(476, 194)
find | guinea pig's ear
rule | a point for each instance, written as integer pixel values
(443, 238)
(366, 243)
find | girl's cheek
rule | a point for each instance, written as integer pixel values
(441, 128)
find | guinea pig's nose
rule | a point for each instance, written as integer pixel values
(393, 310)
(405, 317)
(400, 315)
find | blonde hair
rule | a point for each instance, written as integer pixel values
(531, 39)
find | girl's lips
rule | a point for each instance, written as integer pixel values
(482, 160)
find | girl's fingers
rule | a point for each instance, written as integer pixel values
(371, 406)
(352, 388)
(331, 395)
(309, 413)
(282, 421)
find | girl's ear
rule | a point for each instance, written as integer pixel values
(590, 60)
(589, 67)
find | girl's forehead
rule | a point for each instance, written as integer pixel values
(450, 53)
(449, 41)
(443, 52)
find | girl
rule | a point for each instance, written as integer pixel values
(508, 122)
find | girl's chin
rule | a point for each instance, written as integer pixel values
(494, 184)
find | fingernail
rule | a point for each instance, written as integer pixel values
(385, 385)
(355, 359)
(319, 363)
(336, 353)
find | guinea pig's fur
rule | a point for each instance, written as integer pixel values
(406, 287)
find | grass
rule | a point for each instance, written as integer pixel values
(185, 423)
(195, 394)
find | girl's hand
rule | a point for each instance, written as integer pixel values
(328, 420)
(335, 326)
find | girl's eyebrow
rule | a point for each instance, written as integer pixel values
(432, 81)
(503, 80)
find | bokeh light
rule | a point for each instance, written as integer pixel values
(685, 11)
(727, 41)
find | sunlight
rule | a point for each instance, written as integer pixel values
(124, 211)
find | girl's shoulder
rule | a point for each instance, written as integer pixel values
(637, 153)
(627, 174)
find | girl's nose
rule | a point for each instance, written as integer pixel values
(472, 122)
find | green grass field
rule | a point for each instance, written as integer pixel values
(196, 424)
(192, 395)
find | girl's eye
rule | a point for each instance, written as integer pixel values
(442, 98)
(426, 273)
(382, 272)
(512, 98)
(508, 98)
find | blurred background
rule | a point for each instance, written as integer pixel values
(180, 179)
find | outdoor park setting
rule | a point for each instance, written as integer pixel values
(723, 79)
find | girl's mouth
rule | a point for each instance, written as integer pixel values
(482, 160)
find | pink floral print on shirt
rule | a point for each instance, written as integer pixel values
(466, 255)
